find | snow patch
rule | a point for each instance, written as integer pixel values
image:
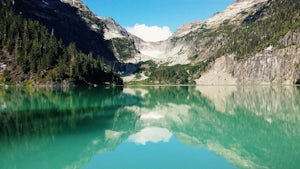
(152, 53)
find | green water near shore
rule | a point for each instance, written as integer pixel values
(150, 127)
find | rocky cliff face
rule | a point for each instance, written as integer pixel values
(279, 66)
(266, 67)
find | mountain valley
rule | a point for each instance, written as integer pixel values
(251, 42)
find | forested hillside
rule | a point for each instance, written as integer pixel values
(263, 28)
(31, 53)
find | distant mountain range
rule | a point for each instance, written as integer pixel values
(251, 42)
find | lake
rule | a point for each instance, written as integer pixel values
(150, 127)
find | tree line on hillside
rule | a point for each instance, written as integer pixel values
(34, 52)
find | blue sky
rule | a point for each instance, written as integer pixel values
(170, 13)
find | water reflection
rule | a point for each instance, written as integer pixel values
(252, 127)
(151, 134)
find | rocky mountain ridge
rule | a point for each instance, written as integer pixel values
(179, 48)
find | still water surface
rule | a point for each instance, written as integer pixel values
(151, 127)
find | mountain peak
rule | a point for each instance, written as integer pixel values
(236, 12)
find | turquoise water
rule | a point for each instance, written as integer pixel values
(150, 127)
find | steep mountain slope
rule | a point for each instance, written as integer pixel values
(72, 21)
(68, 24)
(252, 41)
(30, 53)
(264, 48)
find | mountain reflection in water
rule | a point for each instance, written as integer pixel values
(251, 127)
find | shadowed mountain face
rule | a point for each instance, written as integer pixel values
(73, 22)
(67, 22)
(252, 127)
